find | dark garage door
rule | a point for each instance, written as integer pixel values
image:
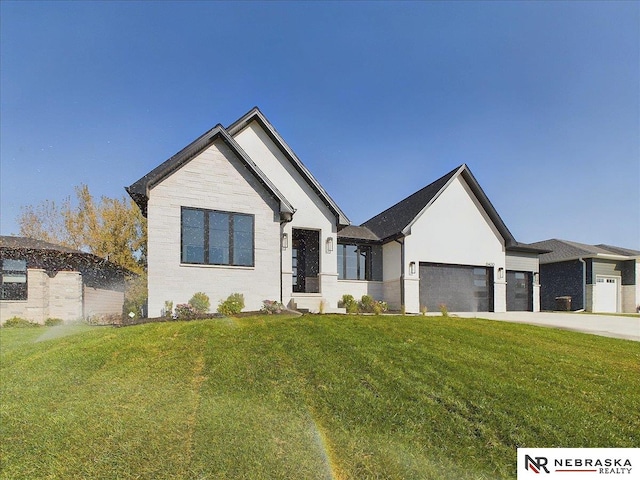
(462, 288)
(519, 292)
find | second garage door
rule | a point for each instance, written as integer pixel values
(462, 288)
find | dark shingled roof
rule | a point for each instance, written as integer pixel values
(65, 256)
(563, 250)
(353, 232)
(392, 222)
(619, 250)
(24, 243)
(394, 219)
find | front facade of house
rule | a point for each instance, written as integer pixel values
(598, 278)
(237, 211)
(40, 280)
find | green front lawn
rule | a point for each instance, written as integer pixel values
(341, 397)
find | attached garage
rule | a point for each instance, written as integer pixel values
(519, 291)
(462, 288)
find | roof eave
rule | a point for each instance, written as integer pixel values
(276, 138)
(139, 191)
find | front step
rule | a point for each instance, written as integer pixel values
(310, 303)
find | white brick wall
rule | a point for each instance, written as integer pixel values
(59, 296)
(214, 180)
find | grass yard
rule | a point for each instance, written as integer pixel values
(314, 397)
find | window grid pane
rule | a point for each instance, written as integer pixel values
(217, 238)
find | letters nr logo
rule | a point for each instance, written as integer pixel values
(536, 465)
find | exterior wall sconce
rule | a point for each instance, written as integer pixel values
(412, 268)
(536, 278)
(329, 245)
(500, 273)
(285, 241)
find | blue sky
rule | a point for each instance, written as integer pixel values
(540, 99)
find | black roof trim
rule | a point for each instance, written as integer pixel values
(256, 115)
(139, 190)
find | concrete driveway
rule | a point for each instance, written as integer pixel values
(605, 325)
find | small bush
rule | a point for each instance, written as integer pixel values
(53, 322)
(17, 322)
(271, 307)
(369, 305)
(443, 310)
(232, 305)
(366, 303)
(167, 311)
(185, 311)
(423, 310)
(349, 303)
(200, 302)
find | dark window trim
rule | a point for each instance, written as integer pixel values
(24, 293)
(231, 216)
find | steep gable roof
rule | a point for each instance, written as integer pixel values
(564, 250)
(256, 115)
(397, 220)
(139, 190)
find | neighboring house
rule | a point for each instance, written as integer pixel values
(40, 280)
(237, 211)
(598, 278)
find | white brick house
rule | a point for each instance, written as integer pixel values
(237, 211)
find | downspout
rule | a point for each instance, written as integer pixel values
(284, 219)
(584, 283)
(401, 273)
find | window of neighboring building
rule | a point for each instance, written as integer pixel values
(354, 262)
(210, 237)
(14, 279)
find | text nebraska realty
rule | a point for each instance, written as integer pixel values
(597, 465)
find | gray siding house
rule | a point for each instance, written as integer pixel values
(40, 280)
(598, 278)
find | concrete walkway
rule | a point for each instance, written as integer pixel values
(604, 325)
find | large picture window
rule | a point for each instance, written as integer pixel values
(210, 237)
(14, 279)
(354, 262)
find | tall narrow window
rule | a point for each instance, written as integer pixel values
(14, 279)
(217, 238)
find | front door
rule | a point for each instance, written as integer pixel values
(305, 260)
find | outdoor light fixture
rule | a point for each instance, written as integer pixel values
(501, 273)
(285, 241)
(536, 278)
(329, 245)
(412, 268)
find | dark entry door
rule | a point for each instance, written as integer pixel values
(305, 260)
(461, 288)
(519, 291)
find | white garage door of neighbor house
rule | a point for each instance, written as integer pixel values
(606, 294)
